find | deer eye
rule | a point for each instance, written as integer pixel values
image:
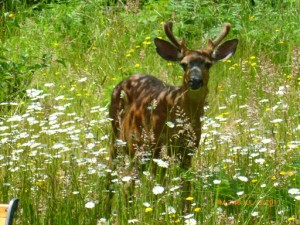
(207, 65)
(184, 66)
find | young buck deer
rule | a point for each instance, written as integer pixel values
(143, 106)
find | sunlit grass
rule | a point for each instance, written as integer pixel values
(54, 141)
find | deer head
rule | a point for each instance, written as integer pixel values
(195, 63)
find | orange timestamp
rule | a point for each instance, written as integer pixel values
(237, 202)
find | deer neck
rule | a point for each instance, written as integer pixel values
(193, 101)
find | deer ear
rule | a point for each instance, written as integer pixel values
(225, 50)
(167, 50)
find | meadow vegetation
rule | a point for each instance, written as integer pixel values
(59, 62)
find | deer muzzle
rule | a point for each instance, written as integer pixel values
(196, 80)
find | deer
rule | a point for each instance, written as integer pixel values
(143, 105)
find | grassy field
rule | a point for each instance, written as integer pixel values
(58, 65)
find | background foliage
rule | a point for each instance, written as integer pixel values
(59, 62)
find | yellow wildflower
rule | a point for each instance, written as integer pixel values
(189, 198)
(148, 209)
(197, 209)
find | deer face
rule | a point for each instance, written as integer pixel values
(196, 66)
(195, 63)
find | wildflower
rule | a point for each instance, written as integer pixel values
(148, 209)
(146, 42)
(90, 146)
(260, 161)
(297, 197)
(294, 191)
(251, 18)
(197, 209)
(189, 198)
(217, 181)
(161, 163)
(133, 221)
(33, 93)
(147, 173)
(254, 214)
(60, 97)
(89, 136)
(291, 218)
(146, 204)
(58, 146)
(190, 221)
(102, 221)
(266, 141)
(252, 57)
(11, 15)
(277, 121)
(188, 216)
(240, 193)
(49, 85)
(126, 178)
(89, 205)
(243, 178)
(81, 80)
(105, 137)
(120, 143)
(158, 190)
(170, 124)
(137, 65)
(171, 210)
(174, 188)
(15, 118)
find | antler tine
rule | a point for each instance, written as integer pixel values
(168, 27)
(223, 34)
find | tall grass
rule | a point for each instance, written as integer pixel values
(54, 138)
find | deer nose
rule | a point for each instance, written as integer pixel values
(195, 82)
